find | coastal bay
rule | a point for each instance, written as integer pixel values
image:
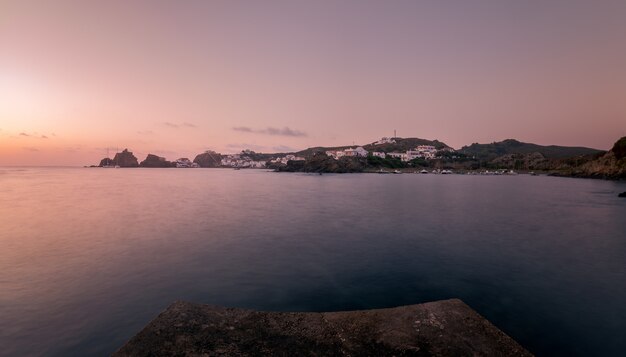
(542, 258)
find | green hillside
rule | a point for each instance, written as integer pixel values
(404, 144)
(401, 145)
(512, 146)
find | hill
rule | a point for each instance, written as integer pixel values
(611, 165)
(400, 145)
(404, 144)
(491, 151)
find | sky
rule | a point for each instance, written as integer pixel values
(176, 78)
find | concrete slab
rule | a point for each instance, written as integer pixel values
(441, 328)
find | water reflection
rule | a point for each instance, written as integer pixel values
(89, 255)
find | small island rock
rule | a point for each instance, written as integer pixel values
(208, 159)
(156, 161)
(126, 159)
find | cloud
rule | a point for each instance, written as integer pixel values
(286, 131)
(243, 129)
(179, 125)
(283, 148)
(33, 135)
(145, 132)
(240, 147)
(30, 148)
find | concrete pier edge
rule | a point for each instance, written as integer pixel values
(440, 328)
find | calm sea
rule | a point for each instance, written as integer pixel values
(89, 256)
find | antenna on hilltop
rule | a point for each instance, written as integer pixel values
(394, 134)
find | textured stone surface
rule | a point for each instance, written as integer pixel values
(208, 159)
(156, 161)
(442, 328)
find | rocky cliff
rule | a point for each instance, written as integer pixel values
(106, 162)
(125, 159)
(208, 159)
(611, 165)
(156, 161)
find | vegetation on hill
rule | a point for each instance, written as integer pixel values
(404, 144)
(401, 145)
(310, 152)
(320, 162)
(488, 152)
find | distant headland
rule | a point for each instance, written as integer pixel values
(409, 155)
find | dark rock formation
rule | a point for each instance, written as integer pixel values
(442, 328)
(106, 162)
(623, 194)
(491, 151)
(208, 159)
(125, 159)
(611, 165)
(619, 148)
(156, 161)
(530, 161)
(320, 162)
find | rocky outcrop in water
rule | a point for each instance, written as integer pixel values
(208, 159)
(106, 162)
(156, 161)
(121, 159)
(125, 159)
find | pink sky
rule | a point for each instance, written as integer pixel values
(176, 78)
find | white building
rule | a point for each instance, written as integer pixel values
(336, 154)
(379, 154)
(425, 148)
(283, 160)
(413, 154)
(385, 140)
(398, 155)
(185, 163)
(425, 151)
(359, 151)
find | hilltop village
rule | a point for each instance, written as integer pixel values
(409, 155)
